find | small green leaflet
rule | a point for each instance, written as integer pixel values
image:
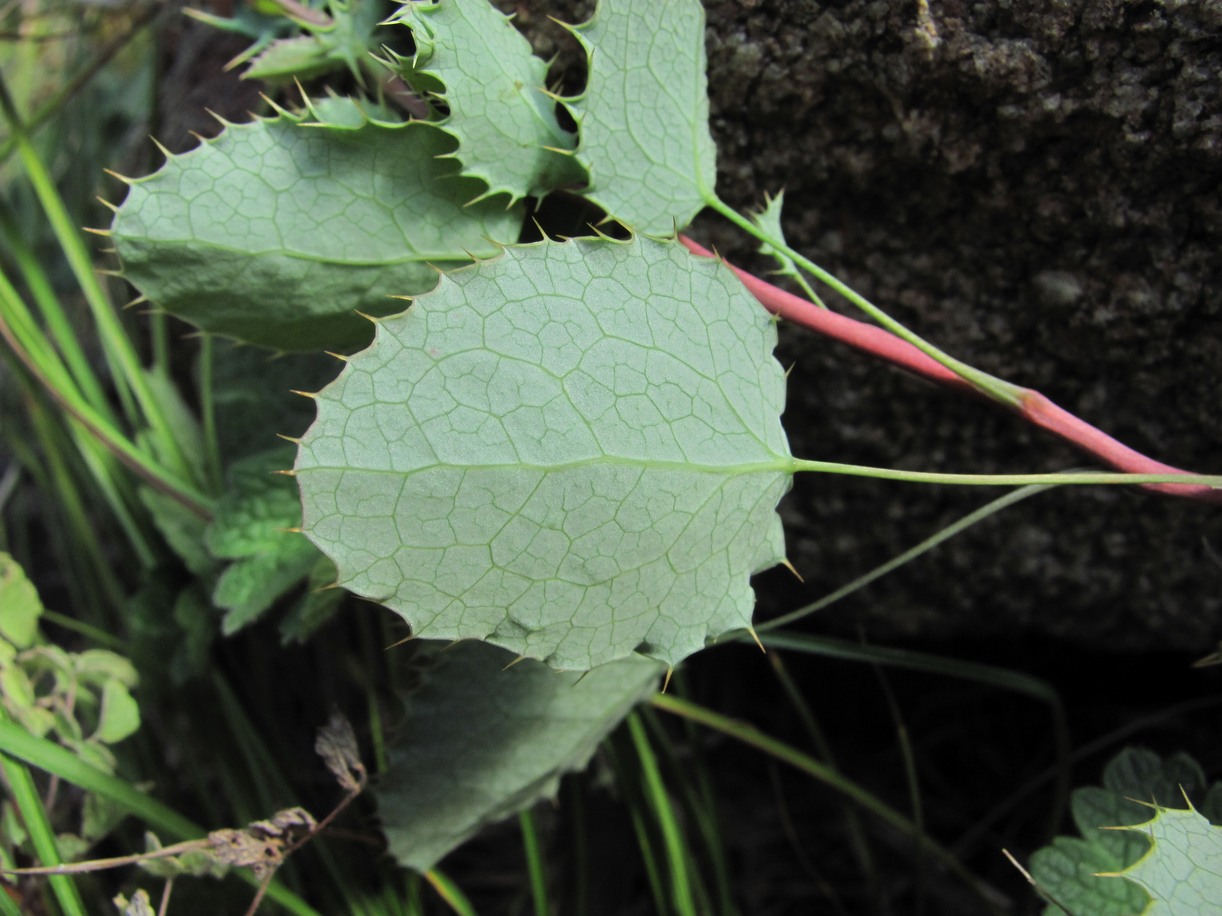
(643, 119)
(277, 232)
(573, 451)
(494, 86)
(484, 738)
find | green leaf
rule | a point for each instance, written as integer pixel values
(277, 232)
(254, 524)
(254, 400)
(573, 451)
(643, 119)
(346, 41)
(495, 88)
(249, 587)
(120, 715)
(1080, 873)
(483, 741)
(182, 529)
(97, 666)
(769, 220)
(1183, 870)
(20, 606)
(317, 606)
(257, 508)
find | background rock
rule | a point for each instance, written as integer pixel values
(1032, 185)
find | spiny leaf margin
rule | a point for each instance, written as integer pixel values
(643, 116)
(279, 231)
(500, 111)
(572, 451)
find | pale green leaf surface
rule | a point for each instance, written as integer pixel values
(482, 741)
(643, 117)
(1080, 873)
(573, 451)
(277, 232)
(20, 606)
(1183, 869)
(494, 87)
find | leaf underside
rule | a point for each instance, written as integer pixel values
(1082, 874)
(1183, 869)
(279, 231)
(573, 451)
(494, 87)
(643, 117)
(483, 740)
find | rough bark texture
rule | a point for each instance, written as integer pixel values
(1031, 184)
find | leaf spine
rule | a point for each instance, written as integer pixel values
(305, 394)
(670, 669)
(105, 233)
(520, 658)
(123, 178)
(756, 637)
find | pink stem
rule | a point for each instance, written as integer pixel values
(1033, 406)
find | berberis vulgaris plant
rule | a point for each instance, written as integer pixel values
(566, 453)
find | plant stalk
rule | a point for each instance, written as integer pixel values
(1030, 405)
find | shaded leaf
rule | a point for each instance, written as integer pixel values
(482, 741)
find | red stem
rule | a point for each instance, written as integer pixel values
(1033, 406)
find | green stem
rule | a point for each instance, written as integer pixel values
(659, 800)
(120, 353)
(1094, 478)
(54, 759)
(534, 862)
(907, 556)
(44, 367)
(42, 836)
(753, 737)
(988, 385)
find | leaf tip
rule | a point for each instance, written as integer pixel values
(520, 658)
(790, 567)
(104, 233)
(670, 670)
(340, 356)
(755, 636)
(305, 394)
